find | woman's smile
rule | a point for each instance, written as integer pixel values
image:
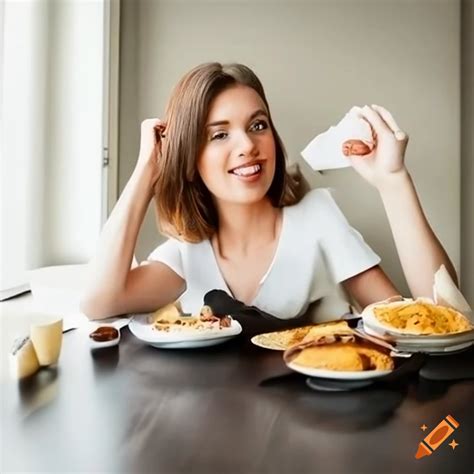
(248, 172)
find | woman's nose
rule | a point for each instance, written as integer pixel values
(245, 145)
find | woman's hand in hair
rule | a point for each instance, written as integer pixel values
(387, 159)
(150, 143)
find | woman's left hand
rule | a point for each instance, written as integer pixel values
(387, 159)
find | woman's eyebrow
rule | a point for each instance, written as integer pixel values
(226, 122)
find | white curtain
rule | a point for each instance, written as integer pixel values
(52, 83)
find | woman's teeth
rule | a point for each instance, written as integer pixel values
(248, 171)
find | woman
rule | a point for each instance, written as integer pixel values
(239, 222)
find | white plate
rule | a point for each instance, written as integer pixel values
(435, 350)
(144, 331)
(116, 323)
(426, 343)
(103, 344)
(190, 344)
(338, 374)
(326, 385)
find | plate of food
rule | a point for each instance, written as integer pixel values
(409, 319)
(420, 325)
(435, 323)
(170, 328)
(340, 356)
(439, 325)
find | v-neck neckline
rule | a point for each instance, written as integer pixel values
(264, 278)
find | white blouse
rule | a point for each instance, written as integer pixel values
(317, 250)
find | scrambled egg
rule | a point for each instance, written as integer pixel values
(422, 318)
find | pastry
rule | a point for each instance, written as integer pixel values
(167, 313)
(337, 356)
(282, 340)
(340, 352)
(333, 327)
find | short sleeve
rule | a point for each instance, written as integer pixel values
(345, 251)
(169, 253)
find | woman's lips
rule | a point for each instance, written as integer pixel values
(248, 173)
(247, 170)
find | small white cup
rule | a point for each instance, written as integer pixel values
(47, 338)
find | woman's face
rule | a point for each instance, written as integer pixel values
(237, 163)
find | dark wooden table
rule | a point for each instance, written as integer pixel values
(233, 408)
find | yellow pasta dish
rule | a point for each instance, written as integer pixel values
(421, 318)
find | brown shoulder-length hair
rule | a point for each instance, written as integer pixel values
(184, 206)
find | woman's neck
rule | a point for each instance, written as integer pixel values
(244, 228)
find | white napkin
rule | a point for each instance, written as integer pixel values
(446, 293)
(325, 150)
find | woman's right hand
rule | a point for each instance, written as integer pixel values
(150, 142)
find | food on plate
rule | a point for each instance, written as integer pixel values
(340, 352)
(166, 313)
(282, 340)
(206, 314)
(326, 329)
(420, 317)
(172, 319)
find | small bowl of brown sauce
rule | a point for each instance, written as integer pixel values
(104, 336)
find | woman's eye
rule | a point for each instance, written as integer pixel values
(218, 136)
(257, 126)
(260, 125)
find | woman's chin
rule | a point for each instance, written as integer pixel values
(244, 197)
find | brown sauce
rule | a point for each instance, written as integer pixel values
(104, 334)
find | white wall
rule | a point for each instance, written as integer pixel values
(74, 166)
(24, 72)
(467, 150)
(51, 166)
(316, 59)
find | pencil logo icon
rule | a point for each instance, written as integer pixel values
(436, 437)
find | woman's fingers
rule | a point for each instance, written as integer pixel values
(150, 139)
(375, 120)
(390, 121)
(155, 124)
(159, 132)
(151, 122)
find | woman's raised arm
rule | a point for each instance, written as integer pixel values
(420, 252)
(113, 287)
